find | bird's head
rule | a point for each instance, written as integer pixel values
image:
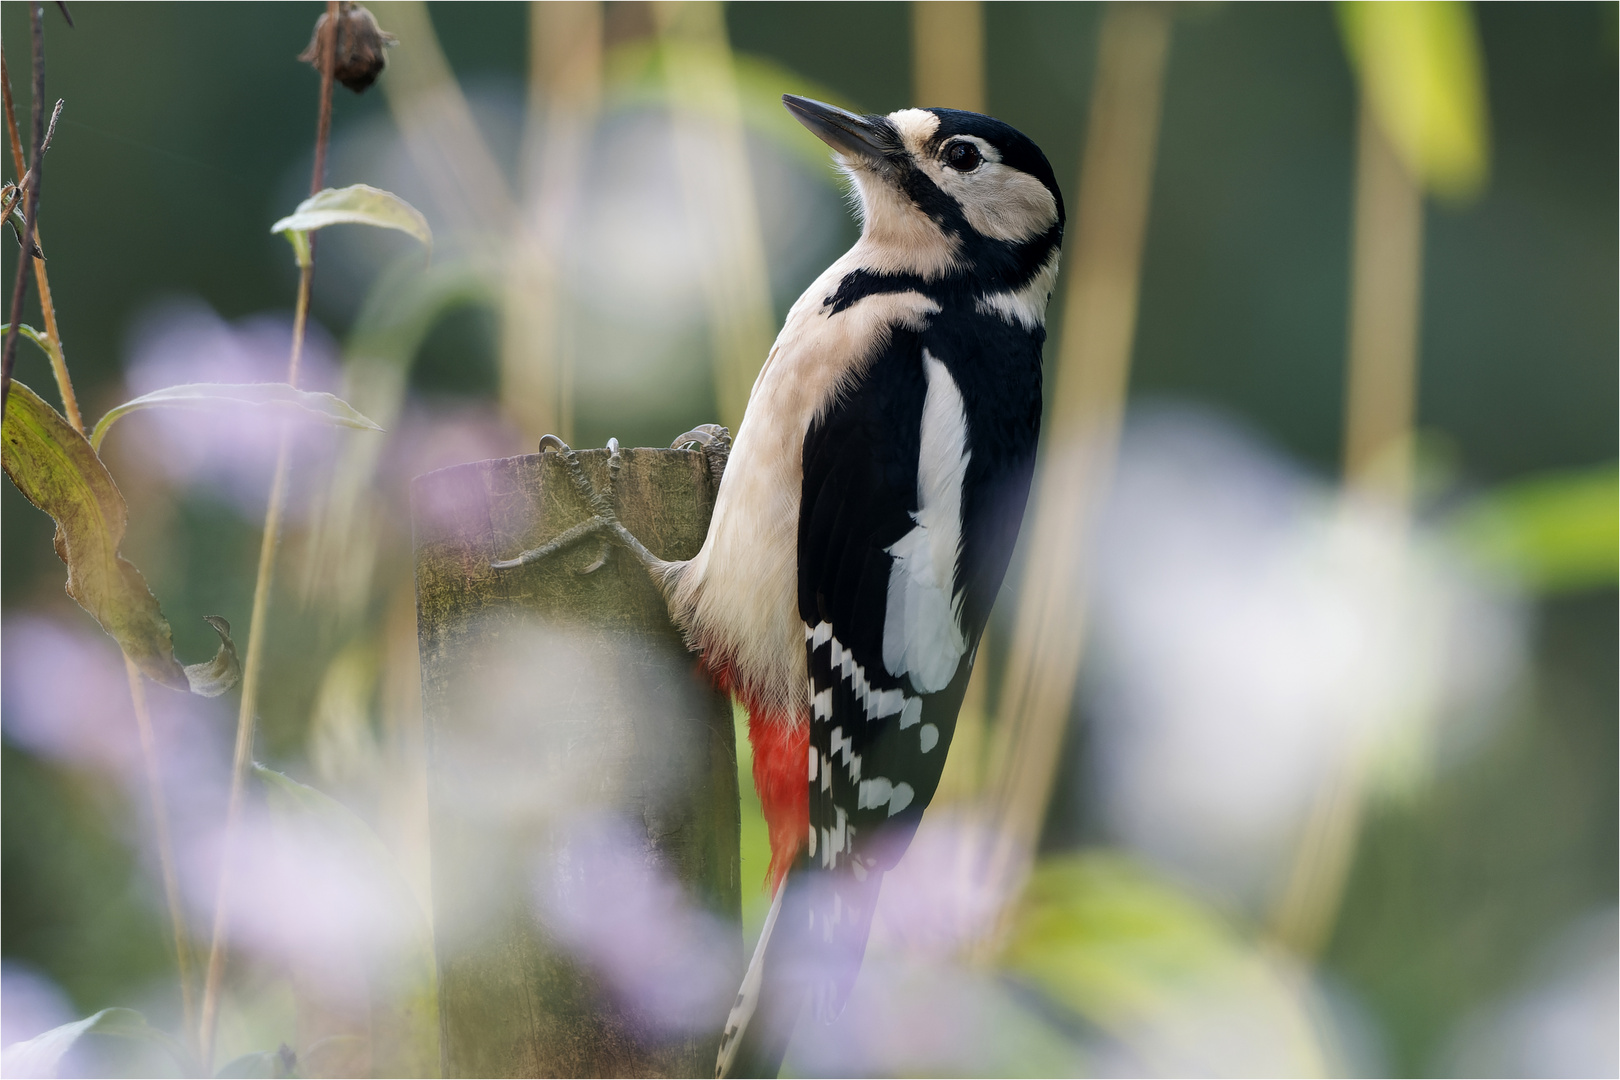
(942, 191)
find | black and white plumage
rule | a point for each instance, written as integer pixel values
(863, 525)
(902, 401)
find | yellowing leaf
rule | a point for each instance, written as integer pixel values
(1421, 71)
(56, 469)
(309, 403)
(1158, 970)
(359, 204)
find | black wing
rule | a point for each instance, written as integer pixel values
(890, 641)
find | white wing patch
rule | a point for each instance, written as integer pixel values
(922, 632)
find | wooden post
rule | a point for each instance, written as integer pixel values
(562, 709)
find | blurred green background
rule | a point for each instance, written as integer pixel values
(188, 129)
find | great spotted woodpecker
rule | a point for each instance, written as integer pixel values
(864, 524)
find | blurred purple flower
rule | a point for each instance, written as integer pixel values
(620, 911)
(66, 697)
(33, 1003)
(435, 436)
(229, 450)
(301, 894)
(937, 901)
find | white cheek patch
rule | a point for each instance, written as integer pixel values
(999, 201)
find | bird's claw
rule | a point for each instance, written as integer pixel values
(604, 518)
(715, 442)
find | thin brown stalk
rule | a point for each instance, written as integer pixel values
(253, 662)
(538, 325)
(1386, 286)
(64, 384)
(19, 290)
(711, 158)
(1386, 290)
(947, 54)
(137, 689)
(165, 843)
(1099, 320)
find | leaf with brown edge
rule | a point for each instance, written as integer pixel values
(213, 677)
(56, 470)
(307, 404)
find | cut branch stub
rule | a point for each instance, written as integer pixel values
(582, 778)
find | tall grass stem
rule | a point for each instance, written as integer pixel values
(64, 384)
(31, 183)
(947, 55)
(711, 157)
(165, 845)
(253, 662)
(1386, 292)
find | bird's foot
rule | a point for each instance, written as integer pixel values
(603, 524)
(715, 442)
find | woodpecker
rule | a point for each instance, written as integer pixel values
(863, 525)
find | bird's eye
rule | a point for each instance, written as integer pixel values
(963, 156)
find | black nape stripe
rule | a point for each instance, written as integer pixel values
(987, 266)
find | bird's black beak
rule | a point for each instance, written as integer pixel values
(858, 138)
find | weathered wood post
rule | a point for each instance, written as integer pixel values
(578, 768)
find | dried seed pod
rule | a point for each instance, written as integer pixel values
(360, 44)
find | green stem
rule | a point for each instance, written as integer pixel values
(246, 715)
(160, 825)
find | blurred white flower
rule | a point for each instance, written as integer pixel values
(911, 1016)
(1566, 1022)
(1253, 632)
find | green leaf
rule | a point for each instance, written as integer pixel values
(1422, 73)
(404, 998)
(45, 344)
(359, 204)
(1148, 963)
(31, 334)
(1557, 533)
(56, 469)
(42, 1055)
(205, 396)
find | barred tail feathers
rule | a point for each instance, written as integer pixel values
(732, 1042)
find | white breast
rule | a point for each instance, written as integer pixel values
(740, 593)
